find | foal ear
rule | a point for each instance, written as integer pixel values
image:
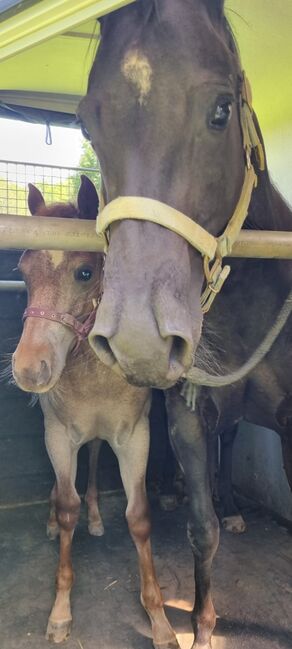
(87, 200)
(35, 199)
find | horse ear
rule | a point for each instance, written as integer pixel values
(35, 199)
(215, 7)
(87, 200)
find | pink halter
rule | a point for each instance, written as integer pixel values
(81, 329)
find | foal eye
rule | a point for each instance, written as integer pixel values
(83, 274)
(221, 115)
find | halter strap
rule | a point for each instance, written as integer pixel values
(148, 209)
(81, 329)
(210, 247)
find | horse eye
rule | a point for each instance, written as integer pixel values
(83, 274)
(221, 115)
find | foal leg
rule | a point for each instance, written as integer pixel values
(53, 529)
(64, 460)
(132, 456)
(231, 518)
(95, 525)
(190, 444)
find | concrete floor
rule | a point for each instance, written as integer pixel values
(252, 582)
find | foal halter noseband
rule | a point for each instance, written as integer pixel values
(213, 249)
(81, 329)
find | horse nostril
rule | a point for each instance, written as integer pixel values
(101, 347)
(180, 352)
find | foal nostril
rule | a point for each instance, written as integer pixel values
(101, 347)
(33, 376)
(44, 374)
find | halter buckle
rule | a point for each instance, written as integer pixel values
(215, 277)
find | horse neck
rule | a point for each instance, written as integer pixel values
(268, 209)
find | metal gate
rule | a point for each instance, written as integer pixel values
(57, 184)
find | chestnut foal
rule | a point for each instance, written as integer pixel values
(95, 524)
(82, 400)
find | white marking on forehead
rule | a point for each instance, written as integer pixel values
(137, 70)
(56, 257)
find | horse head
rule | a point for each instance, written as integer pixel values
(162, 111)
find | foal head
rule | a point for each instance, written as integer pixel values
(162, 112)
(57, 282)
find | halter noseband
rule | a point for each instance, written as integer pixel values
(81, 329)
(213, 249)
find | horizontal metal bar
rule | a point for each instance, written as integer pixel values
(12, 285)
(39, 233)
(44, 233)
(263, 244)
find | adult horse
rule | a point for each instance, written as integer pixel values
(169, 115)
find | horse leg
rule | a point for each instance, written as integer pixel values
(53, 529)
(132, 457)
(64, 461)
(213, 464)
(231, 518)
(190, 445)
(286, 441)
(95, 526)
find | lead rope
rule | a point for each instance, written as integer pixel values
(198, 377)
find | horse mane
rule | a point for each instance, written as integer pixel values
(268, 209)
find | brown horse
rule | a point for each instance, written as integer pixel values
(163, 112)
(164, 91)
(82, 400)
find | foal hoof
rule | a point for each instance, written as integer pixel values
(202, 646)
(173, 644)
(58, 631)
(234, 524)
(95, 528)
(53, 531)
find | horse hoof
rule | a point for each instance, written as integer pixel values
(234, 524)
(202, 646)
(168, 503)
(58, 631)
(53, 531)
(96, 528)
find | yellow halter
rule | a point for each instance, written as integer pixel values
(211, 248)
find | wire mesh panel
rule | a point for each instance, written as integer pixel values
(57, 184)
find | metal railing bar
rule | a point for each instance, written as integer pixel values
(38, 233)
(12, 285)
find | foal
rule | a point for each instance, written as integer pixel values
(82, 400)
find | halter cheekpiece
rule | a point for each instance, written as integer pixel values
(81, 329)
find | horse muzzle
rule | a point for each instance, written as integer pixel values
(146, 352)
